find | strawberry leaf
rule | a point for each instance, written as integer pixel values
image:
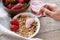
(13, 1)
(24, 5)
(5, 4)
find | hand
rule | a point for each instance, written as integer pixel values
(51, 11)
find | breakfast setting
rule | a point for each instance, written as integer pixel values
(29, 20)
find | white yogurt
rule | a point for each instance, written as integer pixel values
(35, 6)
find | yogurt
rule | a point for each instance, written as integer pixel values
(35, 7)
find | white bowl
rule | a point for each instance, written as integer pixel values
(36, 19)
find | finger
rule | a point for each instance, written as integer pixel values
(51, 7)
(48, 12)
(41, 10)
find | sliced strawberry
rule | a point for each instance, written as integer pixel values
(14, 22)
(20, 1)
(9, 6)
(14, 27)
(7, 1)
(17, 6)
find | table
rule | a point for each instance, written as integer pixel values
(50, 29)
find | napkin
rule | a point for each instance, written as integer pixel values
(5, 33)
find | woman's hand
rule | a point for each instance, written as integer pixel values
(51, 11)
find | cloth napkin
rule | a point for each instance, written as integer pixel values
(5, 33)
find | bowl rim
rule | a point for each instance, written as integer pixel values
(17, 9)
(38, 24)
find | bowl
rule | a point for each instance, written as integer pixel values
(36, 19)
(14, 12)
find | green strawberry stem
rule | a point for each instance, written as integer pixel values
(24, 5)
(5, 4)
(13, 2)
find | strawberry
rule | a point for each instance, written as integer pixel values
(20, 1)
(14, 22)
(9, 6)
(26, 1)
(17, 6)
(14, 27)
(7, 1)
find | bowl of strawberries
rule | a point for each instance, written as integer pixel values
(15, 6)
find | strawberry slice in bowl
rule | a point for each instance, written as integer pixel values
(17, 6)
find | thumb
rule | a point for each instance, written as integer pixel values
(48, 12)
